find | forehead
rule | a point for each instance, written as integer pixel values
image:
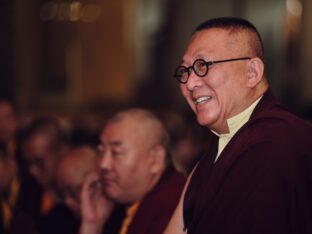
(36, 144)
(214, 43)
(122, 130)
(37, 140)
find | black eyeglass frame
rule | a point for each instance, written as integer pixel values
(207, 63)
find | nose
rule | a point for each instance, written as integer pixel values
(193, 81)
(106, 160)
(34, 171)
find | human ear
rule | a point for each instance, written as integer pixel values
(255, 72)
(157, 158)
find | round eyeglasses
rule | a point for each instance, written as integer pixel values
(200, 68)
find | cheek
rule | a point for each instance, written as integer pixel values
(123, 172)
(227, 93)
(184, 91)
(187, 95)
(128, 174)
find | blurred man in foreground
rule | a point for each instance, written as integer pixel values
(135, 171)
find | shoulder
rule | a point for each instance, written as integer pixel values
(278, 126)
(158, 206)
(165, 195)
(168, 189)
(276, 138)
(273, 121)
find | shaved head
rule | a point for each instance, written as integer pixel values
(146, 124)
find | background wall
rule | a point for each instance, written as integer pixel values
(63, 56)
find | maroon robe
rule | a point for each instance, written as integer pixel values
(261, 182)
(156, 209)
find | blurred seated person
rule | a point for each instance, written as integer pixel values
(10, 126)
(43, 143)
(188, 140)
(135, 170)
(19, 207)
(190, 147)
(72, 170)
(74, 166)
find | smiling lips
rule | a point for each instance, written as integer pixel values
(202, 100)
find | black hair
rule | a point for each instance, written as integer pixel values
(235, 24)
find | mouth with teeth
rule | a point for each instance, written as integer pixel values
(202, 100)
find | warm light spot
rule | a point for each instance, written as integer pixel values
(75, 11)
(294, 7)
(70, 11)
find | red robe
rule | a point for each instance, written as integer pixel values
(261, 182)
(156, 209)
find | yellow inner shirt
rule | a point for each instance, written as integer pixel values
(131, 211)
(234, 124)
(7, 205)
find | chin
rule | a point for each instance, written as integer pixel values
(200, 122)
(203, 120)
(111, 194)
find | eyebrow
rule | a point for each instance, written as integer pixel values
(115, 143)
(199, 56)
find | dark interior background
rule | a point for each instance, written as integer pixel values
(66, 56)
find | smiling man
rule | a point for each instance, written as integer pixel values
(257, 175)
(135, 171)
